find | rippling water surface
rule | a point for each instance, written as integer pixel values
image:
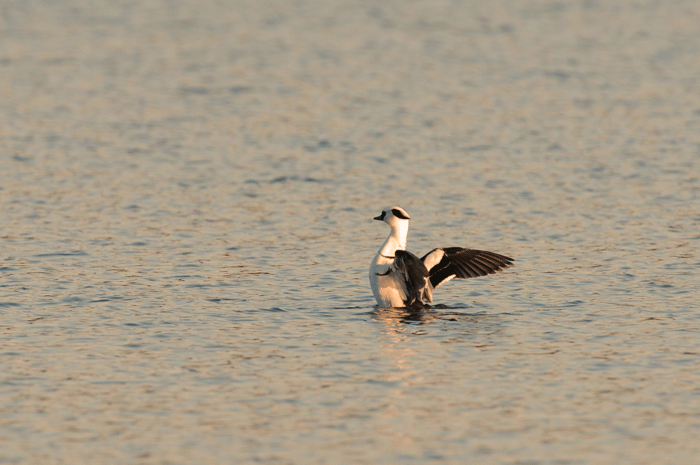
(186, 197)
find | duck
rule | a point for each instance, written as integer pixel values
(399, 278)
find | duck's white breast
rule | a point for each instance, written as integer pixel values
(385, 287)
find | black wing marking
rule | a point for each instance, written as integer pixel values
(466, 263)
(414, 275)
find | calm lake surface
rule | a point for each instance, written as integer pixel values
(186, 200)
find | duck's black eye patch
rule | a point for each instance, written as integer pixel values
(399, 214)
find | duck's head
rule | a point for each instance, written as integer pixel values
(393, 216)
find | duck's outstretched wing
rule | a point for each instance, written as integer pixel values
(456, 262)
(413, 274)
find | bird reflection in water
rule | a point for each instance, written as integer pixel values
(424, 315)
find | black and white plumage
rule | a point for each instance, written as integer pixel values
(400, 279)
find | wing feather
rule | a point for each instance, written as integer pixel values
(456, 262)
(413, 275)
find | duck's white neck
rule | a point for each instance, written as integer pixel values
(396, 240)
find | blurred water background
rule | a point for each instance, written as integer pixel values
(186, 194)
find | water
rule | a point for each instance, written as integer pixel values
(186, 197)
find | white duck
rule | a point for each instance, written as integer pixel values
(400, 279)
